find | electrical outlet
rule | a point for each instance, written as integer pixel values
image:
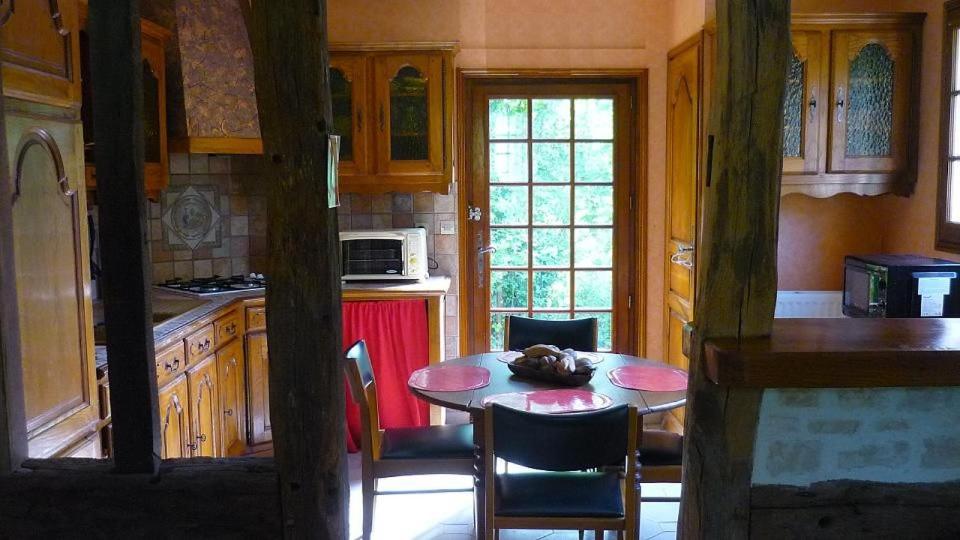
(448, 227)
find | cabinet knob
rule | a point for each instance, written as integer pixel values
(202, 437)
(228, 412)
(192, 447)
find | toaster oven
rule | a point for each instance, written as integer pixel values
(900, 286)
(385, 254)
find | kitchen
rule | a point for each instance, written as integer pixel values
(208, 205)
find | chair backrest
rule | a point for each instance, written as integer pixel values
(576, 334)
(561, 442)
(363, 388)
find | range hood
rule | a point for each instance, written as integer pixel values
(211, 101)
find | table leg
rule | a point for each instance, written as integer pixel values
(479, 488)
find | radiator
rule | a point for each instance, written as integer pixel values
(809, 304)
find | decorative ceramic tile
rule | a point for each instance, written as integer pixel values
(190, 217)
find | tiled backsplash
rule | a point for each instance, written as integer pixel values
(210, 220)
(433, 212)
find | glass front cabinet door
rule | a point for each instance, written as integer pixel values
(872, 73)
(802, 104)
(348, 94)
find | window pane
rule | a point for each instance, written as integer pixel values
(954, 200)
(511, 247)
(549, 316)
(551, 162)
(593, 118)
(593, 205)
(551, 289)
(497, 323)
(956, 59)
(508, 205)
(508, 162)
(551, 247)
(594, 289)
(604, 329)
(955, 126)
(508, 119)
(551, 205)
(551, 119)
(508, 289)
(593, 162)
(593, 248)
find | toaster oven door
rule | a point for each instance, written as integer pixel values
(372, 258)
(865, 291)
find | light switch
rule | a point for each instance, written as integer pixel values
(448, 227)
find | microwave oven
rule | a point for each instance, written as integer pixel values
(900, 286)
(385, 254)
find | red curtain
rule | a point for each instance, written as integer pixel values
(396, 336)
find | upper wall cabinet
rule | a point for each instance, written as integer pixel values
(39, 49)
(393, 110)
(851, 104)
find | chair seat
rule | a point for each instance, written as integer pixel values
(433, 442)
(560, 494)
(660, 448)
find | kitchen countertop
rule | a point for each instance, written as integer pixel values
(188, 309)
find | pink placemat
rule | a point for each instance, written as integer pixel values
(557, 401)
(449, 378)
(510, 356)
(651, 378)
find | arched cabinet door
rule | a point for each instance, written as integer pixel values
(870, 105)
(804, 104)
(409, 115)
(348, 92)
(51, 272)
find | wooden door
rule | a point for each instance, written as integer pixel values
(233, 402)
(872, 85)
(39, 48)
(258, 386)
(175, 419)
(685, 129)
(352, 120)
(410, 113)
(50, 247)
(204, 408)
(805, 105)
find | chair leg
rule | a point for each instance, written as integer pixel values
(580, 534)
(598, 534)
(619, 535)
(369, 498)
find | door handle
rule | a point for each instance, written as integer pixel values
(488, 249)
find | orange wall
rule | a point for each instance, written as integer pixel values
(550, 34)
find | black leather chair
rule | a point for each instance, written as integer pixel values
(564, 446)
(400, 451)
(661, 459)
(576, 334)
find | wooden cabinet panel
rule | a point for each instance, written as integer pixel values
(256, 319)
(258, 388)
(174, 419)
(170, 362)
(806, 103)
(231, 373)
(204, 408)
(51, 271)
(200, 343)
(39, 49)
(88, 448)
(228, 327)
(351, 111)
(871, 74)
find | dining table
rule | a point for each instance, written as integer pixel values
(503, 381)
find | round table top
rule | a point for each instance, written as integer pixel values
(502, 380)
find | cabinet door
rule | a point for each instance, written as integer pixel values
(233, 406)
(803, 104)
(872, 84)
(154, 117)
(409, 131)
(351, 120)
(174, 420)
(204, 408)
(683, 166)
(39, 48)
(258, 387)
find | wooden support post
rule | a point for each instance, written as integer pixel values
(124, 240)
(738, 280)
(289, 43)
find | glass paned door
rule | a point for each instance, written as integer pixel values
(551, 178)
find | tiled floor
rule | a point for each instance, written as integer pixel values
(449, 516)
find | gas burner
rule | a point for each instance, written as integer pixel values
(215, 284)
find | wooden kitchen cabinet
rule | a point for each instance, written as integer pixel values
(258, 388)
(231, 375)
(852, 104)
(205, 409)
(393, 108)
(153, 38)
(174, 419)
